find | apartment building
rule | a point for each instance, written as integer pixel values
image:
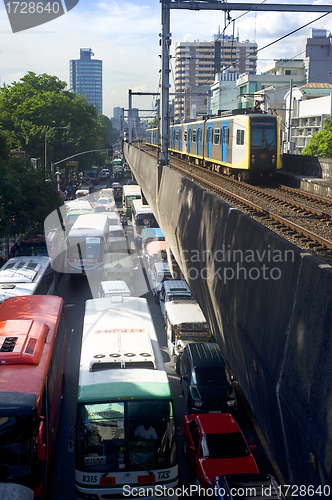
(197, 63)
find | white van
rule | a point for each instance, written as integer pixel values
(112, 288)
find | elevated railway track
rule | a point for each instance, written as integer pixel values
(302, 218)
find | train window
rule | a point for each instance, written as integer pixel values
(216, 139)
(227, 135)
(199, 135)
(177, 134)
(185, 135)
(194, 135)
(240, 137)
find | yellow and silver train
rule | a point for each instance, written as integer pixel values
(245, 146)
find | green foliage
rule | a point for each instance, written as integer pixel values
(26, 199)
(321, 143)
(31, 110)
(38, 105)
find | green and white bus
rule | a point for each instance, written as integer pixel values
(125, 426)
(130, 193)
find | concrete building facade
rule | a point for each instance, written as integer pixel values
(196, 64)
(317, 55)
(310, 105)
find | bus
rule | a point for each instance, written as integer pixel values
(142, 217)
(27, 276)
(74, 209)
(33, 245)
(129, 193)
(123, 391)
(51, 244)
(86, 244)
(33, 353)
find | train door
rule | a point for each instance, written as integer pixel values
(209, 140)
(224, 141)
(189, 140)
(199, 131)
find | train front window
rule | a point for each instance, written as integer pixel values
(263, 135)
(18, 448)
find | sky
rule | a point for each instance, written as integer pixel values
(125, 36)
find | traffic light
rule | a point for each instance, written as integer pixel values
(110, 151)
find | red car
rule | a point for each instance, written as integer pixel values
(216, 447)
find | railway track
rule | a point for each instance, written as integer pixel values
(302, 218)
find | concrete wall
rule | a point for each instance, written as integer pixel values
(308, 165)
(269, 307)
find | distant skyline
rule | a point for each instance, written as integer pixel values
(125, 36)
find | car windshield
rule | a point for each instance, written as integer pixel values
(176, 297)
(116, 233)
(230, 445)
(209, 376)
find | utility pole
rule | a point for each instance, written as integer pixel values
(130, 133)
(290, 113)
(165, 43)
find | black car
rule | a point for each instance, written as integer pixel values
(206, 382)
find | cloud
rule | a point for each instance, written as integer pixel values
(125, 36)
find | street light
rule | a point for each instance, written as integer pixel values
(58, 175)
(50, 130)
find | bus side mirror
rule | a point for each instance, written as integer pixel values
(42, 448)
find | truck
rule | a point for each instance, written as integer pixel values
(245, 486)
(185, 323)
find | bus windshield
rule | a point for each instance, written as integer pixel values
(111, 436)
(146, 220)
(87, 248)
(30, 249)
(18, 448)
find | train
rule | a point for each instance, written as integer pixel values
(244, 145)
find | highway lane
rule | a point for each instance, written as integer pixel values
(75, 293)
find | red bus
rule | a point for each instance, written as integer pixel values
(33, 352)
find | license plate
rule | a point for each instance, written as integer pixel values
(215, 411)
(107, 481)
(151, 478)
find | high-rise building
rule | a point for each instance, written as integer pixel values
(86, 78)
(196, 63)
(317, 55)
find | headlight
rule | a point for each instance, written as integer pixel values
(232, 402)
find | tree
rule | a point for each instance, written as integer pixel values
(30, 109)
(37, 105)
(112, 134)
(26, 199)
(320, 143)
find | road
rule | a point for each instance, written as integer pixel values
(75, 293)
